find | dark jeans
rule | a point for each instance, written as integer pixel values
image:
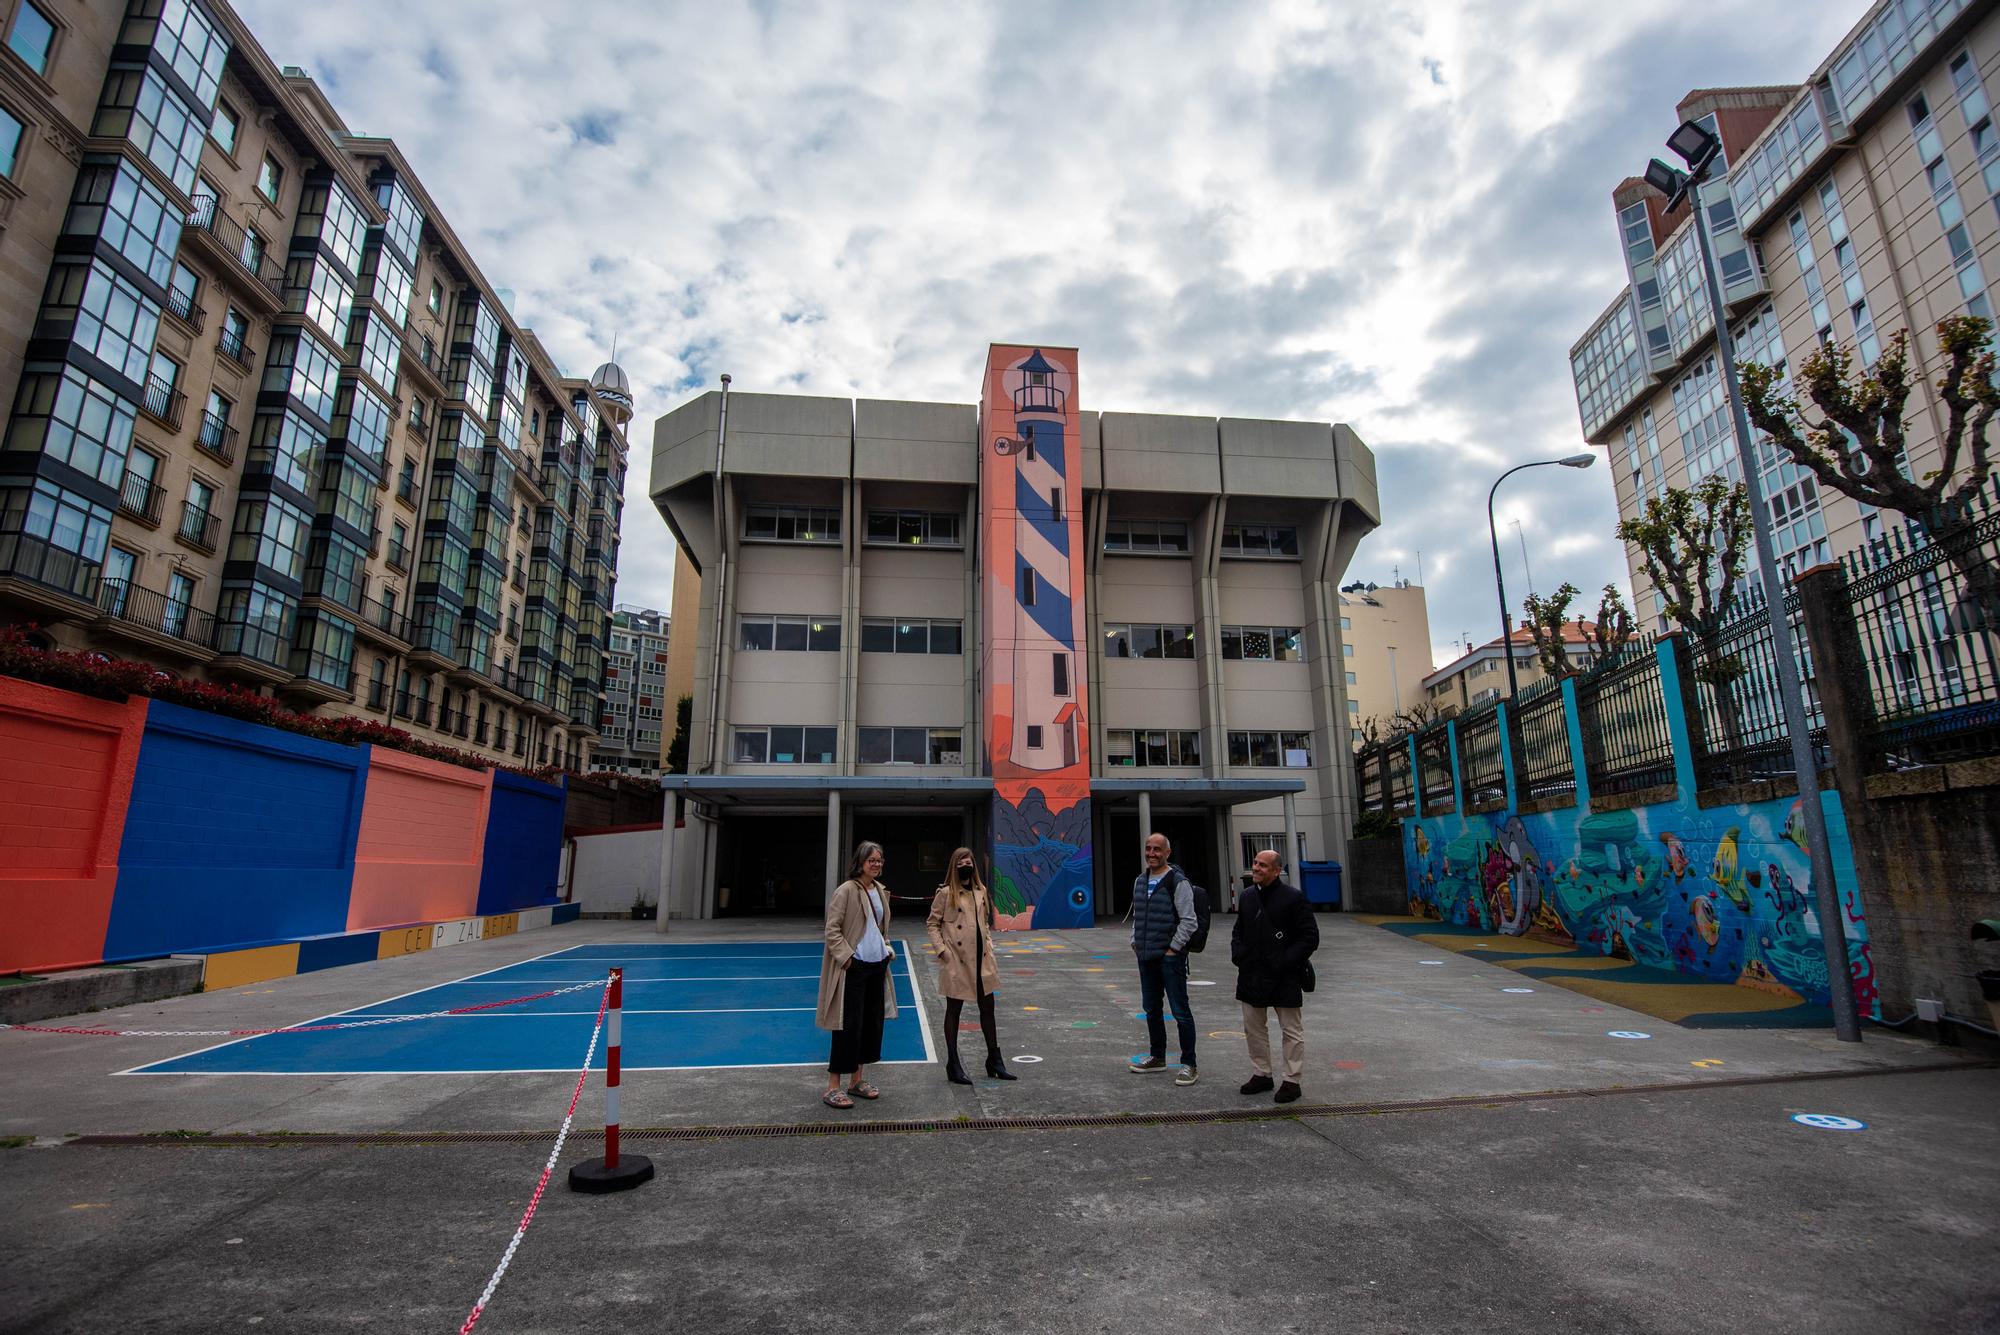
(1168, 974)
(858, 1041)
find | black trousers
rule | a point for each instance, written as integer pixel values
(858, 1041)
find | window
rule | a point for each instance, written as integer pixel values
(1347, 651)
(791, 634)
(784, 744)
(138, 105)
(1146, 535)
(1125, 747)
(880, 635)
(73, 419)
(114, 319)
(910, 746)
(10, 141)
(791, 523)
(1027, 587)
(1282, 644)
(1060, 674)
(234, 340)
(223, 128)
(437, 298)
(1056, 503)
(1274, 840)
(913, 528)
(115, 202)
(1034, 737)
(270, 178)
(1139, 641)
(300, 365)
(1260, 540)
(180, 598)
(317, 290)
(1271, 750)
(32, 37)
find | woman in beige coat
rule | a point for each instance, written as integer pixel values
(856, 993)
(961, 927)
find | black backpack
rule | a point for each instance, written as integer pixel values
(1199, 941)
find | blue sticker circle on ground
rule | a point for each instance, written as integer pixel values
(1625, 1033)
(1517, 989)
(1138, 1015)
(1828, 1122)
(1027, 1061)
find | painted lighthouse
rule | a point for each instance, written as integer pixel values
(1034, 693)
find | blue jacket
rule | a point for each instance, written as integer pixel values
(1163, 920)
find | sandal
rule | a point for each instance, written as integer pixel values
(864, 1090)
(833, 1098)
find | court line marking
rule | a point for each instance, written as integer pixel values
(634, 982)
(923, 1012)
(627, 1010)
(818, 1063)
(161, 1061)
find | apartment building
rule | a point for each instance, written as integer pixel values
(637, 710)
(1011, 624)
(1385, 637)
(269, 423)
(1480, 675)
(1856, 203)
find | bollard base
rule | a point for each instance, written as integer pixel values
(593, 1177)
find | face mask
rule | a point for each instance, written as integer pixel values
(965, 875)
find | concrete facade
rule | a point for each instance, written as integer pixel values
(1385, 634)
(847, 531)
(1862, 203)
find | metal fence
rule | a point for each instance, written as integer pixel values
(1543, 769)
(1740, 736)
(1627, 744)
(1479, 764)
(1928, 616)
(1402, 794)
(1434, 757)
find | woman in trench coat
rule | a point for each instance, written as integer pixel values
(856, 993)
(961, 928)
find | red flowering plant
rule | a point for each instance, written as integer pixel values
(107, 678)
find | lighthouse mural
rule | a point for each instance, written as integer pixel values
(1036, 712)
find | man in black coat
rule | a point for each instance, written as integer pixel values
(1274, 937)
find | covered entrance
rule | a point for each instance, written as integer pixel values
(1194, 816)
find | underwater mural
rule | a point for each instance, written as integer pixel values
(1722, 894)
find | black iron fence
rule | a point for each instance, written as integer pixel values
(1545, 767)
(1627, 742)
(1479, 762)
(1434, 760)
(151, 610)
(1738, 728)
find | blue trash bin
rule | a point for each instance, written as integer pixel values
(1321, 883)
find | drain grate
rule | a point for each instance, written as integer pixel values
(1049, 1122)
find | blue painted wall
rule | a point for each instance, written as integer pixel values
(524, 838)
(237, 835)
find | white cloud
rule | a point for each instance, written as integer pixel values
(1396, 217)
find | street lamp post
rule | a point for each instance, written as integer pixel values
(1500, 581)
(1699, 149)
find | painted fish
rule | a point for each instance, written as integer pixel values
(1725, 871)
(1795, 827)
(1677, 857)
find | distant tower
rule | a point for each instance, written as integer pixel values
(613, 388)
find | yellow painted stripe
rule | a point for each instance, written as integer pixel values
(404, 941)
(501, 924)
(233, 968)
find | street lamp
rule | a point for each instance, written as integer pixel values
(1584, 460)
(1699, 149)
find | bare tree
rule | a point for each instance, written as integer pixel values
(1693, 545)
(1610, 631)
(1545, 618)
(1855, 442)
(1603, 636)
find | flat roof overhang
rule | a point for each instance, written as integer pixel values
(800, 790)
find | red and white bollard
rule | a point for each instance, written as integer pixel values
(614, 1172)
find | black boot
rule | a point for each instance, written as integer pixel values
(997, 1068)
(953, 1071)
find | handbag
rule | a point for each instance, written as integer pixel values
(1308, 980)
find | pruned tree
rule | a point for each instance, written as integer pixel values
(1854, 440)
(1603, 635)
(1416, 717)
(1693, 543)
(1545, 618)
(1610, 630)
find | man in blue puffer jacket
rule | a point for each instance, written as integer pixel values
(1163, 921)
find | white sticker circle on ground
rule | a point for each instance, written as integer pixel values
(1027, 1061)
(1200, 982)
(1430, 961)
(1517, 989)
(1625, 1033)
(1828, 1122)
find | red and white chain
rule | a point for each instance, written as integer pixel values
(297, 1028)
(521, 1231)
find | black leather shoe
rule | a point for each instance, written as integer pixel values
(997, 1068)
(1287, 1093)
(954, 1072)
(1256, 1084)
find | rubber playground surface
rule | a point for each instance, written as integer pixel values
(692, 1006)
(1661, 993)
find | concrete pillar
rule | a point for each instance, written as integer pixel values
(1145, 816)
(1289, 854)
(834, 866)
(664, 894)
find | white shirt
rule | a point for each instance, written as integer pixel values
(1153, 882)
(872, 949)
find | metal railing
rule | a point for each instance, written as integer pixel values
(217, 437)
(1740, 734)
(1480, 769)
(1627, 744)
(154, 611)
(198, 527)
(163, 401)
(1927, 610)
(383, 616)
(232, 344)
(1545, 767)
(141, 498)
(230, 235)
(181, 305)
(1434, 769)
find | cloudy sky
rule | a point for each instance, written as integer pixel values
(1395, 215)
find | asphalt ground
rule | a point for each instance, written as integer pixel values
(1566, 1179)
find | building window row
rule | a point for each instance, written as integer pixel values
(1267, 541)
(785, 744)
(791, 523)
(1271, 750)
(1282, 644)
(913, 528)
(790, 634)
(1150, 536)
(1140, 641)
(884, 636)
(1129, 747)
(910, 746)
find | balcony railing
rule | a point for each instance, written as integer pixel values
(423, 714)
(399, 557)
(233, 345)
(164, 401)
(405, 705)
(199, 529)
(385, 618)
(480, 731)
(378, 695)
(231, 237)
(141, 498)
(406, 489)
(181, 305)
(23, 556)
(154, 611)
(217, 437)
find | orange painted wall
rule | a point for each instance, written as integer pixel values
(423, 832)
(66, 765)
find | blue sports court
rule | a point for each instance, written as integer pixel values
(686, 1007)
